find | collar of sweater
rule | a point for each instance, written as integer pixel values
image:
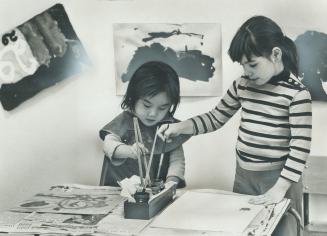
(283, 76)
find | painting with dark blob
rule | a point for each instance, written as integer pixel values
(312, 50)
(38, 54)
(192, 49)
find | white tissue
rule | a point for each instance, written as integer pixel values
(129, 187)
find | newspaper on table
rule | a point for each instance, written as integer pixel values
(72, 209)
(73, 199)
(8, 220)
(116, 224)
(45, 223)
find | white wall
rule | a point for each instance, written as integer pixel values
(53, 137)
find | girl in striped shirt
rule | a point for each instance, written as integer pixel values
(275, 130)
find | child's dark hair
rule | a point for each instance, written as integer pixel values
(257, 37)
(150, 79)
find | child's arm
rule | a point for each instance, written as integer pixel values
(207, 122)
(118, 151)
(176, 169)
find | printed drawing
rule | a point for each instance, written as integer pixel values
(312, 49)
(72, 201)
(38, 54)
(192, 49)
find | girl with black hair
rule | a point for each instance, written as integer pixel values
(274, 135)
(152, 96)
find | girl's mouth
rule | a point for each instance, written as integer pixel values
(245, 77)
(248, 78)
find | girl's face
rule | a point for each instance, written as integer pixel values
(259, 70)
(151, 110)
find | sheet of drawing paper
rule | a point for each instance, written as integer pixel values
(208, 212)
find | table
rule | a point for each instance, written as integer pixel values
(69, 209)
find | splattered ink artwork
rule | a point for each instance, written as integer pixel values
(193, 50)
(38, 54)
(312, 49)
(72, 201)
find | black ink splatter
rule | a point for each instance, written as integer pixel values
(156, 35)
(189, 64)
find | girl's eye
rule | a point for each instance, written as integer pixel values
(163, 108)
(253, 65)
(146, 105)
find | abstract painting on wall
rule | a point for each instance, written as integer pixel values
(38, 54)
(192, 49)
(312, 50)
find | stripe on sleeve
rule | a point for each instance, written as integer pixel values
(195, 126)
(216, 119)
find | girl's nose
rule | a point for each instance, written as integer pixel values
(152, 112)
(247, 73)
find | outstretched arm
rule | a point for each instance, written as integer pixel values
(207, 122)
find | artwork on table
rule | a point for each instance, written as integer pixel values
(312, 50)
(38, 54)
(73, 200)
(192, 49)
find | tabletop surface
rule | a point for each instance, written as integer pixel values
(69, 209)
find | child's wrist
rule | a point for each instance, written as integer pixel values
(283, 184)
(187, 127)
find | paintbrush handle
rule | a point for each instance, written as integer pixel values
(161, 158)
(139, 134)
(135, 121)
(147, 176)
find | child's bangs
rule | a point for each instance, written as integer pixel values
(151, 88)
(243, 45)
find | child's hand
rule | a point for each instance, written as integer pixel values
(162, 132)
(140, 148)
(273, 195)
(168, 131)
(270, 197)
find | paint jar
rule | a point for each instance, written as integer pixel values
(141, 197)
(156, 186)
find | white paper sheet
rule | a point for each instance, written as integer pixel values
(209, 212)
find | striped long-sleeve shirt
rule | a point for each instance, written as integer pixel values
(275, 127)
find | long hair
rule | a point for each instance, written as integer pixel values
(257, 37)
(150, 79)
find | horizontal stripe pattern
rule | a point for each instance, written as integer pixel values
(275, 123)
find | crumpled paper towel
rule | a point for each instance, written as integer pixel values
(129, 187)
